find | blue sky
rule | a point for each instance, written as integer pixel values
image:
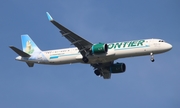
(143, 85)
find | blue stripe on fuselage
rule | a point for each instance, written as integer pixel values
(53, 57)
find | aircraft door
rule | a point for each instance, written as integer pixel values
(147, 44)
(156, 44)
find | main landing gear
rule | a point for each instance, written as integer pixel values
(97, 72)
(85, 59)
(152, 57)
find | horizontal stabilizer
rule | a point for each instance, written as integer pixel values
(19, 52)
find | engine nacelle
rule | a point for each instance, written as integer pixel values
(118, 68)
(99, 48)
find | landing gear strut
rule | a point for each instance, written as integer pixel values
(152, 57)
(85, 59)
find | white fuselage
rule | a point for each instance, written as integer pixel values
(116, 50)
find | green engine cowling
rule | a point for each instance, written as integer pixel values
(118, 68)
(99, 48)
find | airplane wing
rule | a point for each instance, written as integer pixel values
(82, 44)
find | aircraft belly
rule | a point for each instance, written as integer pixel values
(101, 60)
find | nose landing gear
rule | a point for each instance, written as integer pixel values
(152, 57)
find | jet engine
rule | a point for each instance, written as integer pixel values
(118, 68)
(99, 48)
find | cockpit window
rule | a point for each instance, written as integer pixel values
(161, 40)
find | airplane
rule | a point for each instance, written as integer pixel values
(100, 56)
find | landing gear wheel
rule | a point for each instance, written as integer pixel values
(152, 60)
(97, 72)
(152, 57)
(85, 59)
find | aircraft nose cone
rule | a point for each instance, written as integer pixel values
(169, 46)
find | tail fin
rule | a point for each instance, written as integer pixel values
(28, 44)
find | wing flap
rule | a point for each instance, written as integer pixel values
(106, 74)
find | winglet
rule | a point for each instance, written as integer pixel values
(49, 16)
